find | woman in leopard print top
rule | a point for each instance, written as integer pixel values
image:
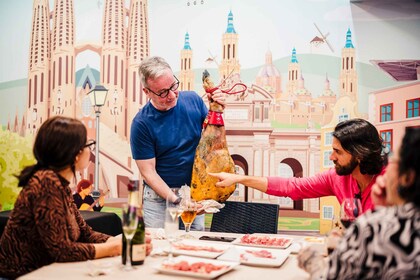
(45, 225)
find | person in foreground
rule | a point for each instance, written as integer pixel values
(358, 159)
(45, 226)
(384, 243)
(164, 137)
(84, 199)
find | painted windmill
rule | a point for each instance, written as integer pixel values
(324, 37)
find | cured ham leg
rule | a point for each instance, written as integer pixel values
(212, 154)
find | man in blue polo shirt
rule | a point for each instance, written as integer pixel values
(164, 136)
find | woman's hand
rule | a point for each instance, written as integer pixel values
(116, 240)
(378, 193)
(311, 260)
(149, 246)
(110, 248)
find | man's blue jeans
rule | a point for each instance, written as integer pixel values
(154, 208)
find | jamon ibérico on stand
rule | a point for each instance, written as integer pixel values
(212, 154)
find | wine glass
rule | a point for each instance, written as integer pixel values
(351, 208)
(189, 212)
(129, 225)
(173, 210)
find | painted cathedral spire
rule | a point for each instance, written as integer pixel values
(294, 58)
(348, 75)
(293, 74)
(114, 45)
(63, 98)
(186, 75)
(38, 71)
(187, 42)
(138, 48)
(230, 28)
(349, 43)
(229, 66)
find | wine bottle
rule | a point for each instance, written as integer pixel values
(138, 245)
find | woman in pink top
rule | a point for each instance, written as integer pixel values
(357, 153)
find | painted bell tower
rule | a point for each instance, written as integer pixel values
(348, 73)
(186, 75)
(39, 73)
(230, 62)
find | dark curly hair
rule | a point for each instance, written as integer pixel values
(58, 141)
(361, 139)
(410, 161)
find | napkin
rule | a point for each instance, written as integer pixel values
(159, 234)
(99, 268)
(208, 205)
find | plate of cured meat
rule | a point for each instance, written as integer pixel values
(256, 256)
(195, 267)
(264, 241)
(198, 248)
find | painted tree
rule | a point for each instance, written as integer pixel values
(15, 154)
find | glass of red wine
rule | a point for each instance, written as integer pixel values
(351, 208)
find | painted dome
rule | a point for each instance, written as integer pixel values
(268, 70)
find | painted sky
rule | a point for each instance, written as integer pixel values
(269, 24)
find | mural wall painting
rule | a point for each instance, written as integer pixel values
(279, 126)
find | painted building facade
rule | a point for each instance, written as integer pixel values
(394, 109)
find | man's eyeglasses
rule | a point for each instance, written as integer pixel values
(91, 144)
(164, 92)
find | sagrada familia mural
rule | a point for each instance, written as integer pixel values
(52, 88)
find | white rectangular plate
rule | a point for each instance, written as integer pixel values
(245, 256)
(191, 260)
(198, 248)
(264, 241)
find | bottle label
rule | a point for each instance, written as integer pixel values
(139, 252)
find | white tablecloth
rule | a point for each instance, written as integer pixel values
(80, 270)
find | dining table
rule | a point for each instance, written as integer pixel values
(112, 268)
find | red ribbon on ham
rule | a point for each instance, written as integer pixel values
(214, 118)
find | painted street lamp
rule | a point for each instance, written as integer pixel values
(97, 98)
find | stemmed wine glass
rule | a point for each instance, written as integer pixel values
(129, 225)
(173, 210)
(189, 212)
(351, 208)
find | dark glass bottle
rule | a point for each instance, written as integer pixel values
(138, 244)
